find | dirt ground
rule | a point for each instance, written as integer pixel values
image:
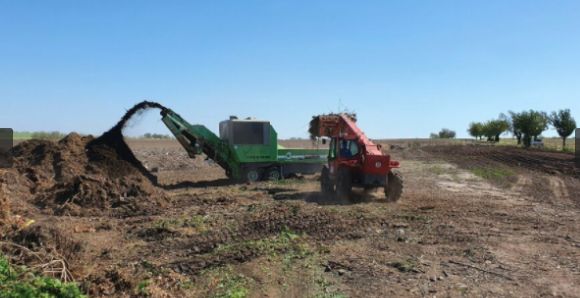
(473, 221)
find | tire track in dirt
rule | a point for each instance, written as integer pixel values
(522, 184)
(197, 252)
(559, 188)
(529, 159)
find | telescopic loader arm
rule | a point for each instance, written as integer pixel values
(343, 126)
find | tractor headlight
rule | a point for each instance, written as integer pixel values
(378, 164)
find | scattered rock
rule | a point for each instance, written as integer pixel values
(400, 225)
(461, 286)
(401, 235)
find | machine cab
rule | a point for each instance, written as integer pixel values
(343, 149)
(253, 140)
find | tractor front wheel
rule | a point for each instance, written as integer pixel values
(326, 184)
(343, 184)
(394, 186)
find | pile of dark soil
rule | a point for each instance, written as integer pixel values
(84, 176)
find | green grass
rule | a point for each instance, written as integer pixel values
(549, 143)
(437, 170)
(20, 282)
(286, 242)
(498, 174)
(288, 252)
(228, 284)
(232, 286)
(22, 135)
(326, 291)
(415, 217)
(38, 135)
(408, 265)
(195, 221)
(142, 288)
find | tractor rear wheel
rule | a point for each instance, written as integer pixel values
(326, 184)
(343, 184)
(394, 186)
(273, 174)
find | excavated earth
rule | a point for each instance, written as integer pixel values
(185, 231)
(83, 176)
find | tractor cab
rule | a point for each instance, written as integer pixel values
(343, 149)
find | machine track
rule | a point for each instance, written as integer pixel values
(202, 250)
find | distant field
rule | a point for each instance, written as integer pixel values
(424, 142)
(55, 135)
(549, 143)
(20, 135)
(42, 135)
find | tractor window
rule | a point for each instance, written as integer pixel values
(353, 147)
(348, 148)
(332, 149)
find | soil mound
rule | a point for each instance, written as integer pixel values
(84, 176)
(111, 146)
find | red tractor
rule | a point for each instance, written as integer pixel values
(353, 159)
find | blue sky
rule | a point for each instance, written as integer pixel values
(407, 68)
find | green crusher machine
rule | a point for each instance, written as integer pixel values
(247, 149)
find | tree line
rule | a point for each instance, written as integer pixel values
(156, 136)
(525, 126)
(444, 133)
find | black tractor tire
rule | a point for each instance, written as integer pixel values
(394, 186)
(326, 184)
(273, 174)
(343, 184)
(252, 175)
